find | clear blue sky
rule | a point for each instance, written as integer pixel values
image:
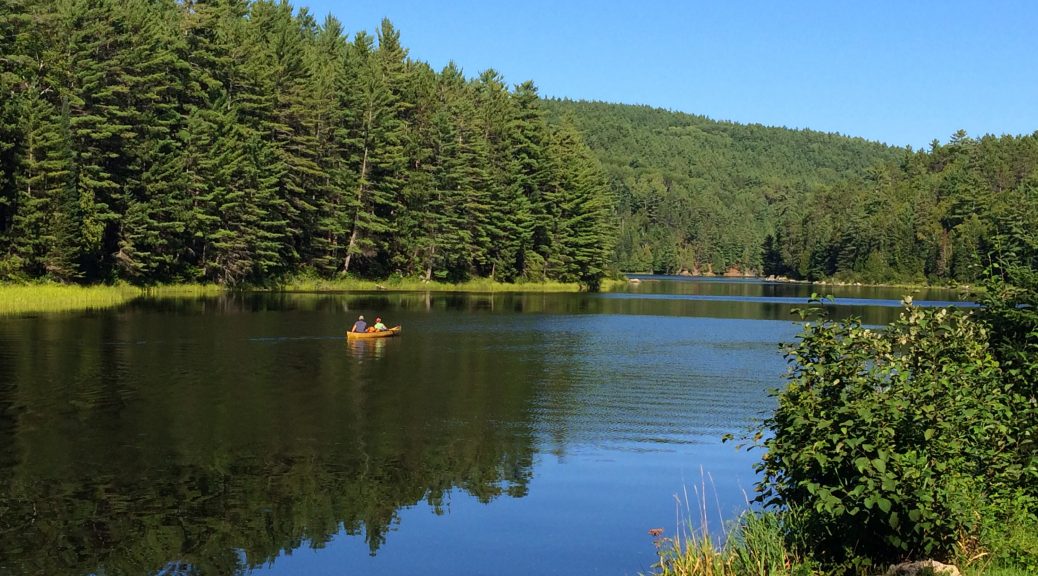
(903, 72)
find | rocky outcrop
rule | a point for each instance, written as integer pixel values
(923, 568)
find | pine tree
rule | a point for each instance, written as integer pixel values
(506, 207)
(15, 23)
(43, 191)
(581, 236)
(151, 231)
(375, 139)
(327, 61)
(528, 135)
(14, 19)
(280, 43)
(464, 182)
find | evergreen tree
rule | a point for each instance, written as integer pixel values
(529, 136)
(327, 61)
(507, 208)
(580, 235)
(375, 140)
(151, 231)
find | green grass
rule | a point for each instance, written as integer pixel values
(415, 285)
(176, 290)
(42, 297)
(45, 298)
(997, 571)
(33, 298)
(754, 546)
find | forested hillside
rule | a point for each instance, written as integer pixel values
(701, 195)
(232, 141)
(236, 142)
(941, 215)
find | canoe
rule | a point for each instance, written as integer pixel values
(394, 331)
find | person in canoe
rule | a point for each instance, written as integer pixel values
(360, 325)
(378, 326)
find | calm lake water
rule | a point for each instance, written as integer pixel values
(500, 434)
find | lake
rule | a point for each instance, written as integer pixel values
(499, 434)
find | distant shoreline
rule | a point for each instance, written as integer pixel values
(785, 280)
(45, 297)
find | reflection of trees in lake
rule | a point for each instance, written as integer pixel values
(668, 302)
(135, 442)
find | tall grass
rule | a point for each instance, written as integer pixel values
(757, 543)
(32, 298)
(416, 285)
(755, 547)
(42, 298)
(37, 298)
(176, 290)
(754, 544)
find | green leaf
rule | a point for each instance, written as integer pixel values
(883, 504)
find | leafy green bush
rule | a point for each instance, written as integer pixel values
(892, 443)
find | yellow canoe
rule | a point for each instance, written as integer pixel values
(394, 331)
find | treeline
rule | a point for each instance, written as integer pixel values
(234, 141)
(939, 215)
(919, 440)
(701, 195)
(705, 196)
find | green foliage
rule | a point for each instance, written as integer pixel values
(1010, 542)
(756, 545)
(701, 195)
(944, 214)
(898, 442)
(238, 142)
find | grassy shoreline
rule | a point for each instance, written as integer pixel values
(415, 285)
(758, 542)
(46, 297)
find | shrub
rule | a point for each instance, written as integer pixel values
(893, 443)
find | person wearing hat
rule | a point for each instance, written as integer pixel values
(360, 325)
(379, 326)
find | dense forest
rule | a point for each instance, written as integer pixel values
(238, 141)
(234, 141)
(705, 196)
(941, 215)
(700, 195)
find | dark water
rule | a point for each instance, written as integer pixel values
(505, 434)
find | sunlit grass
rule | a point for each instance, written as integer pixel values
(754, 544)
(41, 298)
(32, 298)
(174, 290)
(37, 298)
(416, 285)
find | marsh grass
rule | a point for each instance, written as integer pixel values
(754, 544)
(34, 298)
(44, 298)
(757, 543)
(416, 285)
(177, 290)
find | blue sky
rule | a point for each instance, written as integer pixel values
(904, 72)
